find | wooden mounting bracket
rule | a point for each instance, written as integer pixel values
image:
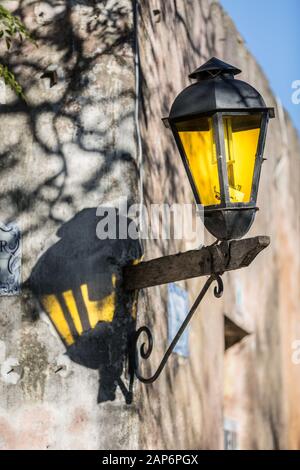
(215, 259)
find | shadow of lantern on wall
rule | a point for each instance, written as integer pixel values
(219, 124)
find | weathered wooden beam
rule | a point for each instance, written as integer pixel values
(226, 256)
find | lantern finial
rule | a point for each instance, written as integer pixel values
(213, 68)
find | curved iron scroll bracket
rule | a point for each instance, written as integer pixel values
(146, 348)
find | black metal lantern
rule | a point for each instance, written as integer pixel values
(220, 124)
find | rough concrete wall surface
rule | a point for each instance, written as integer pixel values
(75, 145)
(254, 383)
(69, 149)
(184, 406)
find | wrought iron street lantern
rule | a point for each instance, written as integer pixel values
(220, 124)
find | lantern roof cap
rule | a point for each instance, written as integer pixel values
(212, 68)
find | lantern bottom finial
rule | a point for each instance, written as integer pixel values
(229, 223)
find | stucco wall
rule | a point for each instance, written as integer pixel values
(73, 146)
(259, 381)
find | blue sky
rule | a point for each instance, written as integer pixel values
(271, 29)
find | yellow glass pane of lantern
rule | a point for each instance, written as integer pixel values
(241, 135)
(197, 139)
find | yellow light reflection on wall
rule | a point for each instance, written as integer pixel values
(241, 135)
(72, 308)
(55, 312)
(102, 310)
(98, 310)
(198, 142)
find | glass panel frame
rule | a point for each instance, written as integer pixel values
(241, 141)
(198, 144)
(218, 135)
